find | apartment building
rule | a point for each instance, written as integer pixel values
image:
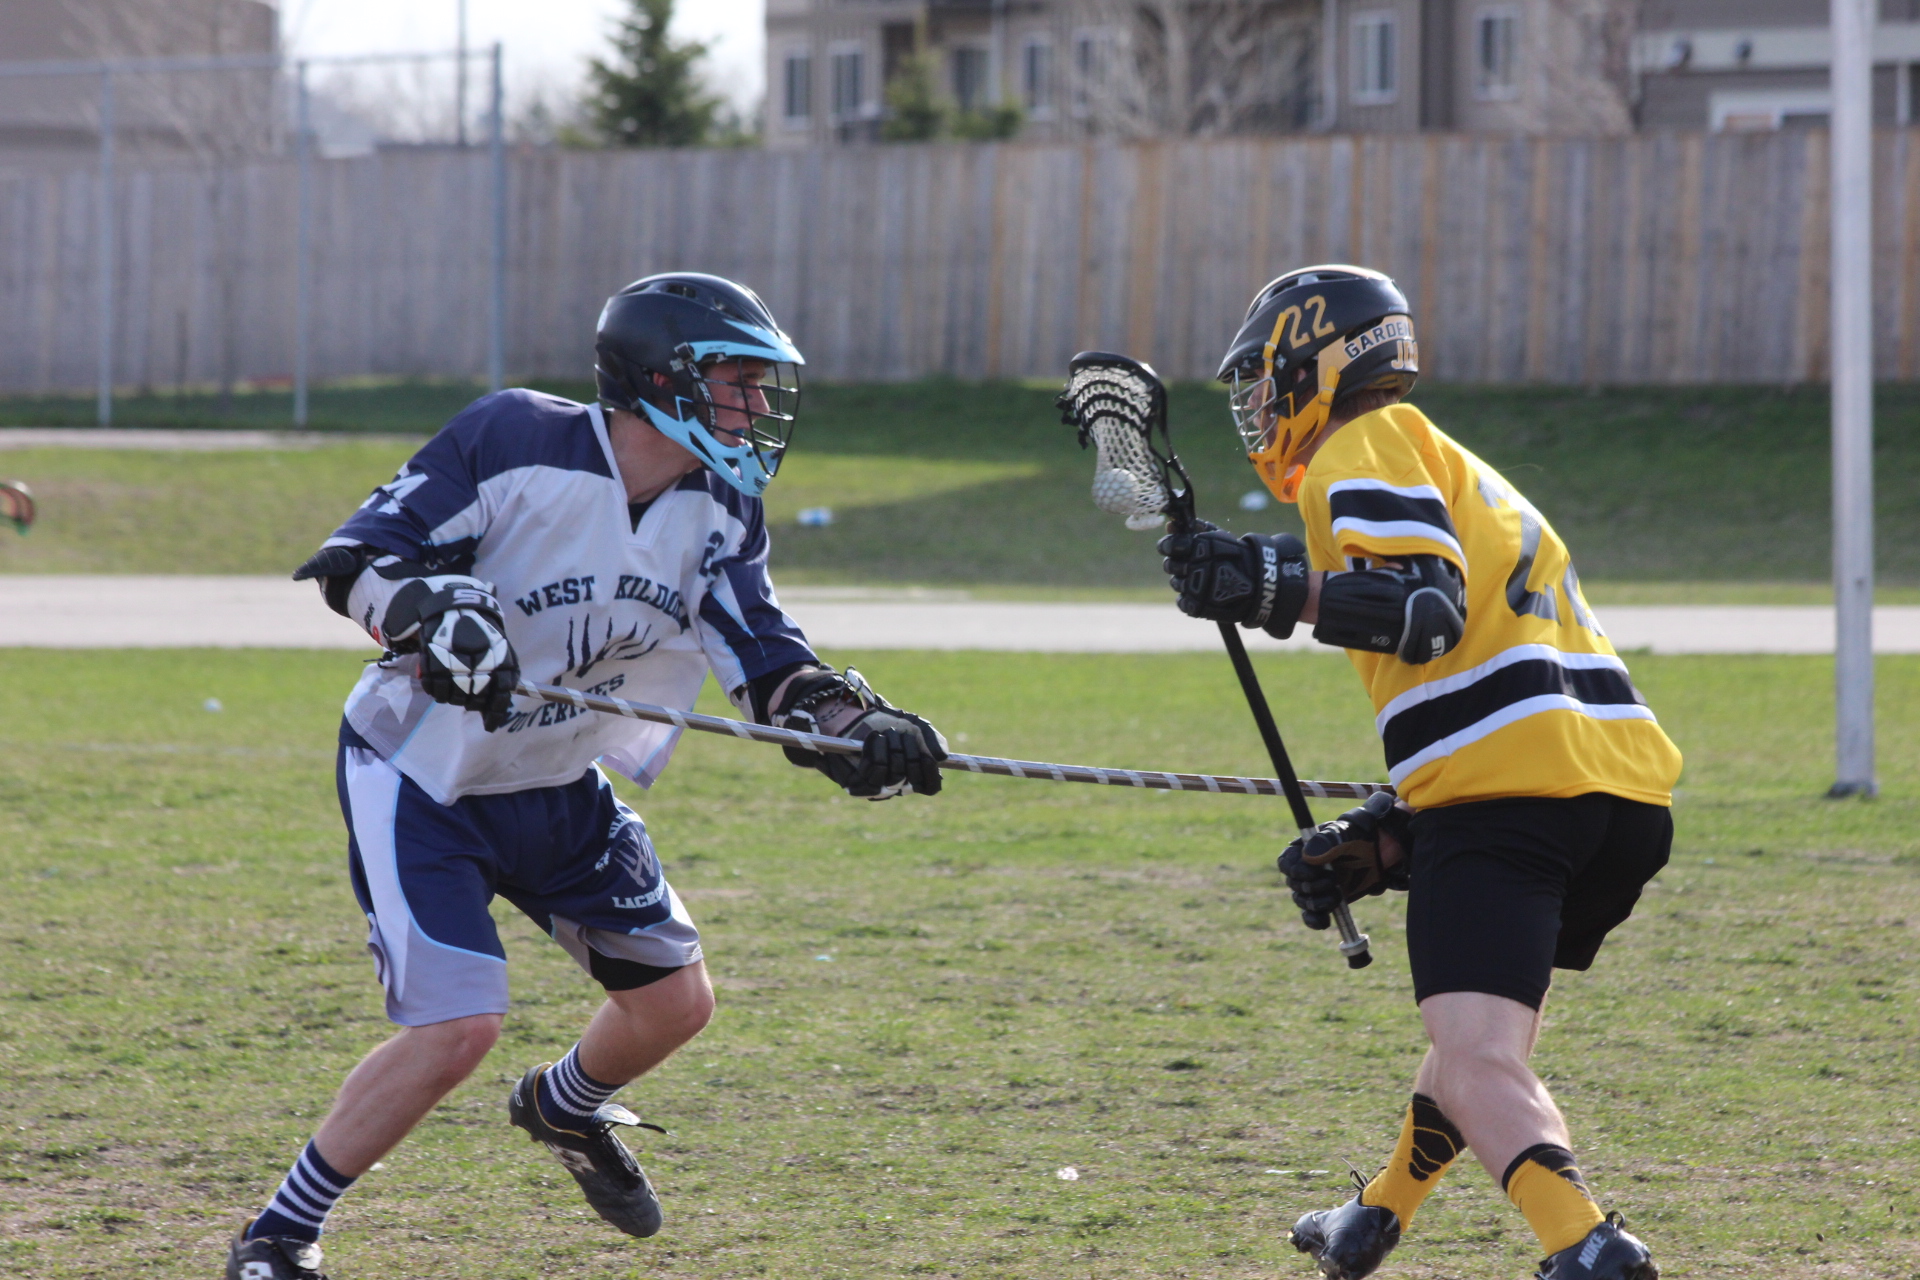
(1761, 64)
(1079, 68)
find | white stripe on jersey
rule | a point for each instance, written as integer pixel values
(1507, 715)
(1425, 491)
(1474, 675)
(1398, 529)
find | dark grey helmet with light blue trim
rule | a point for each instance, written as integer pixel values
(655, 343)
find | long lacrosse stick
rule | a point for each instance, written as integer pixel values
(1119, 406)
(1039, 770)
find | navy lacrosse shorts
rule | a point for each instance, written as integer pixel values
(573, 858)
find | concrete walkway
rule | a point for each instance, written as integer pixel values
(107, 611)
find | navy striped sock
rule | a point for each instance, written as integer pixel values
(566, 1090)
(299, 1208)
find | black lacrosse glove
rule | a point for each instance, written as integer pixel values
(1339, 861)
(899, 751)
(1258, 581)
(454, 623)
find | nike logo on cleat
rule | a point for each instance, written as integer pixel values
(1592, 1251)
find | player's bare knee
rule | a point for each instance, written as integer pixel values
(1479, 1060)
(690, 1018)
(678, 1008)
(461, 1044)
(695, 1007)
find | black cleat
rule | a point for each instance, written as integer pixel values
(1608, 1253)
(606, 1171)
(1349, 1242)
(272, 1258)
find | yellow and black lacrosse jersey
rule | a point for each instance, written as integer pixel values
(1533, 701)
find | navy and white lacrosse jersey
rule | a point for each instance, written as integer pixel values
(521, 490)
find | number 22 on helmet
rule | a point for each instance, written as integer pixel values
(1310, 339)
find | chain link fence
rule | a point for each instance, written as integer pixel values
(159, 182)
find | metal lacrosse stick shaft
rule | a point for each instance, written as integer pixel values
(1037, 770)
(1354, 944)
(1143, 415)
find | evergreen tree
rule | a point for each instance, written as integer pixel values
(650, 95)
(914, 110)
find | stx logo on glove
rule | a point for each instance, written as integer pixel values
(472, 598)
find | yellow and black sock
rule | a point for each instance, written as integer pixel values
(1428, 1144)
(1545, 1185)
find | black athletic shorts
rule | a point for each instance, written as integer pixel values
(1506, 891)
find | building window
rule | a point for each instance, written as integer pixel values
(797, 89)
(1089, 70)
(1768, 109)
(849, 87)
(1496, 56)
(970, 78)
(1036, 77)
(1375, 72)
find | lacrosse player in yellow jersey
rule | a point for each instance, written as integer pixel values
(1534, 781)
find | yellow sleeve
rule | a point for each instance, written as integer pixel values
(1379, 500)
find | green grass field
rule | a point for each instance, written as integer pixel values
(928, 1007)
(1694, 493)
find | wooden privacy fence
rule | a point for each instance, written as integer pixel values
(1646, 259)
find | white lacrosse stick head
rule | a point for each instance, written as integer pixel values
(1115, 408)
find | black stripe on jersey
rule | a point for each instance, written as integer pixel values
(1380, 506)
(1422, 725)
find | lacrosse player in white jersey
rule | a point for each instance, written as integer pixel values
(619, 546)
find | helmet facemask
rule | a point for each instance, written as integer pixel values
(1280, 413)
(739, 421)
(702, 361)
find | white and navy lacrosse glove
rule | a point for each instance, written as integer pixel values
(900, 753)
(455, 624)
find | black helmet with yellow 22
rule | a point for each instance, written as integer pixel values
(1311, 339)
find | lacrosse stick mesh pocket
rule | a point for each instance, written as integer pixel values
(1115, 408)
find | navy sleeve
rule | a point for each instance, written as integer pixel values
(439, 506)
(742, 627)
